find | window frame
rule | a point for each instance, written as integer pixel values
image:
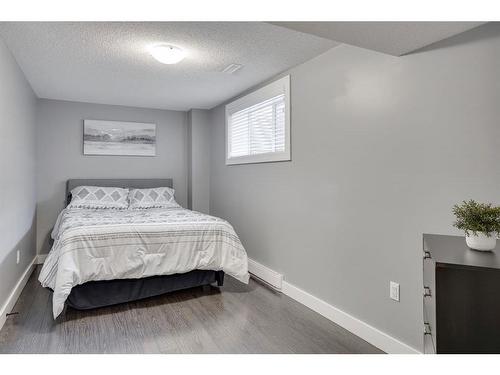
(280, 86)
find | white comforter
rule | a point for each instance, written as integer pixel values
(104, 244)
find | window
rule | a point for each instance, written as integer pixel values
(258, 125)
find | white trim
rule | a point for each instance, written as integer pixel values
(40, 259)
(266, 274)
(16, 292)
(270, 157)
(276, 87)
(368, 333)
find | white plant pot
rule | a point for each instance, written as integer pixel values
(481, 242)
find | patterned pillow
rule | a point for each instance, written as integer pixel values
(99, 197)
(161, 197)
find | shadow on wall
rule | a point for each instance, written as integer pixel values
(481, 33)
(46, 242)
(47, 212)
(9, 269)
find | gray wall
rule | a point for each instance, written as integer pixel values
(199, 137)
(60, 155)
(382, 147)
(17, 167)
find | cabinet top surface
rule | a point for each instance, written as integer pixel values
(454, 250)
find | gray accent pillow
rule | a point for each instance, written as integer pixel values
(161, 197)
(99, 197)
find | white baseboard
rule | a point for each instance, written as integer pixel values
(16, 292)
(41, 258)
(266, 274)
(368, 333)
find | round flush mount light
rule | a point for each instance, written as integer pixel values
(167, 53)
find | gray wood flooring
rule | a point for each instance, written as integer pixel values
(236, 318)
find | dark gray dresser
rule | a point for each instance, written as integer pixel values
(461, 297)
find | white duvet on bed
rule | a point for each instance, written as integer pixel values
(105, 244)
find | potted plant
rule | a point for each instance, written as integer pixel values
(480, 222)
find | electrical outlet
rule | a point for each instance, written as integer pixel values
(18, 256)
(394, 291)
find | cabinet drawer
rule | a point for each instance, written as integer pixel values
(429, 300)
(429, 292)
(429, 336)
(429, 347)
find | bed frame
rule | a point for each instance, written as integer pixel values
(96, 294)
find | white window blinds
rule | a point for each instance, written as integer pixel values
(258, 125)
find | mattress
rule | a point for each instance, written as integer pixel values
(105, 244)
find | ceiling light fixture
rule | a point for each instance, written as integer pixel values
(167, 53)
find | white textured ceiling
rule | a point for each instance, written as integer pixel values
(394, 38)
(109, 63)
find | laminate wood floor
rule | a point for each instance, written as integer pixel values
(236, 318)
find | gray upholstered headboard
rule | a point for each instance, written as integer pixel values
(134, 183)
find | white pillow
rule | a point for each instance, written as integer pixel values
(160, 197)
(99, 197)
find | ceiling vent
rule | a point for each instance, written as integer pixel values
(232, 68)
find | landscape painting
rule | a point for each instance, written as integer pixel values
(119, 138)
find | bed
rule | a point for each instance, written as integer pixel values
(103, 257)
